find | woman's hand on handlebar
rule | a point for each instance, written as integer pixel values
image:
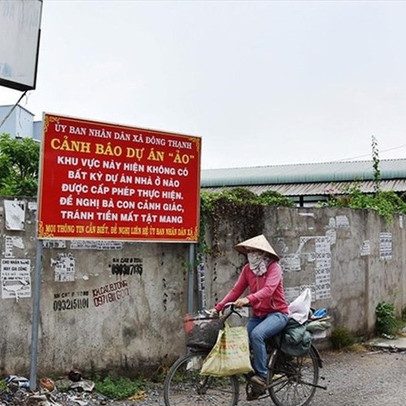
(213, 311)
(243, 301)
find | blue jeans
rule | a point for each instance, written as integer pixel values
(259, 329)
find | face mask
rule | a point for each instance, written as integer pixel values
(258, 262)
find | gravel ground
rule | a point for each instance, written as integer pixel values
(370, 378)
(373, 378)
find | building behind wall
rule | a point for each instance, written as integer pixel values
(308, 184)
(19, 123)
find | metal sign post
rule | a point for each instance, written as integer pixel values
(190, 288)
(35, 316)
(201, 289)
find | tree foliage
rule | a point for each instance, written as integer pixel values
(241, 196)
(241, 207)
(19, 159)
(384, 202)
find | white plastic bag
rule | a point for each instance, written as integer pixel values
(299, 309)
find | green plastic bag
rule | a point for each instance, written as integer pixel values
(230, 355)
(294, 339)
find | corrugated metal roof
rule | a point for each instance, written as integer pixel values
(319, 188)
(303, 173)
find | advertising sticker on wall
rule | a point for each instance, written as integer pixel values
(385, 245)
(64, 268)
(10, 243)
(15, 214)
(15, 278)
(96, 245)
(104, 181)
(365, 248)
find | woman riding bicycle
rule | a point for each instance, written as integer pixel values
(263, 275)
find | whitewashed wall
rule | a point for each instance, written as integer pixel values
(116, 305)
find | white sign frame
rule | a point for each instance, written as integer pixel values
(20, 22)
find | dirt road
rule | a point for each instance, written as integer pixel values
(371, 378)
(374, 378)
(356, 379)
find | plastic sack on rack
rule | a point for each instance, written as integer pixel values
(230, 355)
(318, 326)
(299, 309)
(295, 340)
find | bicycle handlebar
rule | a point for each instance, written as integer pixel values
(232, 307)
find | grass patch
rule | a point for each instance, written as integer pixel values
(342, 338)
(119, 387)
(357, 347)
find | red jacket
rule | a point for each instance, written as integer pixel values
(266, 291)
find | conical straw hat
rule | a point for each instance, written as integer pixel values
(257, 243)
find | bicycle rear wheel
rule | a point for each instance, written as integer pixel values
(292, 380)
(184, 386)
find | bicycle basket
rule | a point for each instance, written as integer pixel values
(202, 332)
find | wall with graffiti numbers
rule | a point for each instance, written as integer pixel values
(104, 304)
(120, 305)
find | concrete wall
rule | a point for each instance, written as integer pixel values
(351, 259)
(113, 305)
(121, 305)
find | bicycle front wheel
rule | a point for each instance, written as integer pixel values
(184, 386)
(292, 380)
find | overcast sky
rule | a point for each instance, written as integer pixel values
(262, 82)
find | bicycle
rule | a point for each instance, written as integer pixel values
(291, 380)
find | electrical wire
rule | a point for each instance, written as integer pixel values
(369, 155)
(12, 109)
